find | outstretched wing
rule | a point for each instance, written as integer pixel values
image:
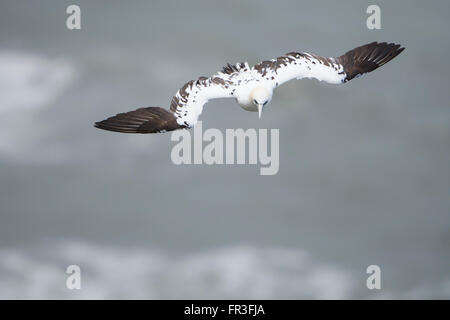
(143, 120)
(185, 108)
(354, 63)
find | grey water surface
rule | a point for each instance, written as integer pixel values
(364, 174)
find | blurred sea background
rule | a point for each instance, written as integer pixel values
(364, 168)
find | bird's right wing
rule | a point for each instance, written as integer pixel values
(142, 120)
(354, 63)
(185, 108)
(188, 102)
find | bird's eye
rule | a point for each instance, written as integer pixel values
(256, 102)
(265, 103)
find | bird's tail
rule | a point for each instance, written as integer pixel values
(143, 120)
(367, 58)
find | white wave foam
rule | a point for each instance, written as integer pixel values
(235, 272)
(431, 290)
(29, 81)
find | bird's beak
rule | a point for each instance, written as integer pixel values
(260, 106)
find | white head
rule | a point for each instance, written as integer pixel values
(260, 97)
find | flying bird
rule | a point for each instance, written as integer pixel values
(252, 87)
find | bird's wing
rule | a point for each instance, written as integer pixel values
(185, 108)
(354, 63)
(142, 120)
(187, 104)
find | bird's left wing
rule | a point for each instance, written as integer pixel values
(356, 62)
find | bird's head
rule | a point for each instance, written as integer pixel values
(260, 97)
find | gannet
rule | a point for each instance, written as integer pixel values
(252, 87)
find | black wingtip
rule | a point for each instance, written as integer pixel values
(99, 125)
(368, 57)
(143, 120)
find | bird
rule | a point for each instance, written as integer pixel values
(251, 87)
